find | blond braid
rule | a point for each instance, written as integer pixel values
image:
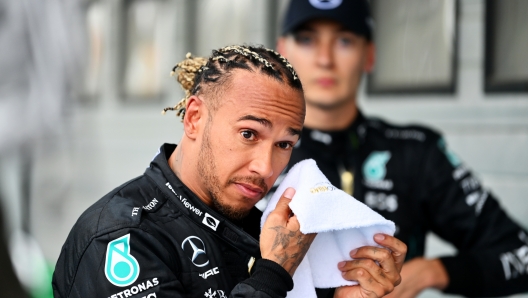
(196, 74)
(186, 73)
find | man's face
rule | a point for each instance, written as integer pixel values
(248, 141)
(330, 61)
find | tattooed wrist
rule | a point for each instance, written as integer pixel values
(292, 245)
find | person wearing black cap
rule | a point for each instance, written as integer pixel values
(406, 173)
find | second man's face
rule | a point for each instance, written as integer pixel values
(329, 59)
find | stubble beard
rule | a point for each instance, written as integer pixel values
(207, 170)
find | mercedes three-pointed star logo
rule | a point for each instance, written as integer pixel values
(198, 249)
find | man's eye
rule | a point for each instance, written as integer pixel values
(248, 135)
(303, 39)
(346, 41)
(284, 145)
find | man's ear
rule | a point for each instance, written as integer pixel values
(195, 113)
(370, 57)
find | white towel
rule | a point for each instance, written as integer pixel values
(342, 224)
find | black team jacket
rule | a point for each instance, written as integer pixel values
(409, 176)
(152, 237)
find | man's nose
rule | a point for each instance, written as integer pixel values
(325, 57)
(261, 163)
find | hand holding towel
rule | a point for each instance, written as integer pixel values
(342, 224)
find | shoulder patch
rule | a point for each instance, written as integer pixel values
(121, 268)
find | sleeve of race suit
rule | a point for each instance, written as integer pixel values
(492, 257)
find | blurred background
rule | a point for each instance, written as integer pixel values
(83, 82)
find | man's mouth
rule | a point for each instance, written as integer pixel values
(325, 82)
(250, 190)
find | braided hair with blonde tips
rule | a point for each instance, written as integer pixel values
(210, 75)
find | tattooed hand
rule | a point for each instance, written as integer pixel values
(376, 269)
(281, 240)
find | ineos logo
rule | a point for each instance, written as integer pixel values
(195, 250)
(325, 4)
(210, 221)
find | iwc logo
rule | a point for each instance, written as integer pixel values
(195, 250)
(325, 4)
(121, 268)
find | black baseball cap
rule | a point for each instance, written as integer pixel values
(353, 14)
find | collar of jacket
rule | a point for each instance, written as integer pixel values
(336, 142)
(193, 208)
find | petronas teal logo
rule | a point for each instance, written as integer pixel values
(121, 268)
(374, 168)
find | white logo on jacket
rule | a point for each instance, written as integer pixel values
(210, 221)
(381, 201)
(326, 4)
(515, 262)
(209, 272)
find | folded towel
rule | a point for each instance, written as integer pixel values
(342, 224)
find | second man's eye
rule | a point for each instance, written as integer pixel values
(303, 39)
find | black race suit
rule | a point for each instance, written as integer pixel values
(409, 176)
(152, 237)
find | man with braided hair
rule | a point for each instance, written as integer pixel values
(188, 227)
(405, 173)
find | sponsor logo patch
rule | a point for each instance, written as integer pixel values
(212, 294)
(151, 205)
(194, 247)
(186, 203)
(381, 201)
(321, 137)
(121, 268)
(326, 4)
(406, 134)
(515, 262)
(477, 199)
(209, 272)
(469, 184)
(210, 221)
(138, 288)
(375, 170)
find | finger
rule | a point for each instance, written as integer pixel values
(282, 206)
(388, 279)
(397, 247)
(381, 255)
(368, 283)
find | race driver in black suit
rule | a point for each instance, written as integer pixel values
(406, 173)
(188, 226)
